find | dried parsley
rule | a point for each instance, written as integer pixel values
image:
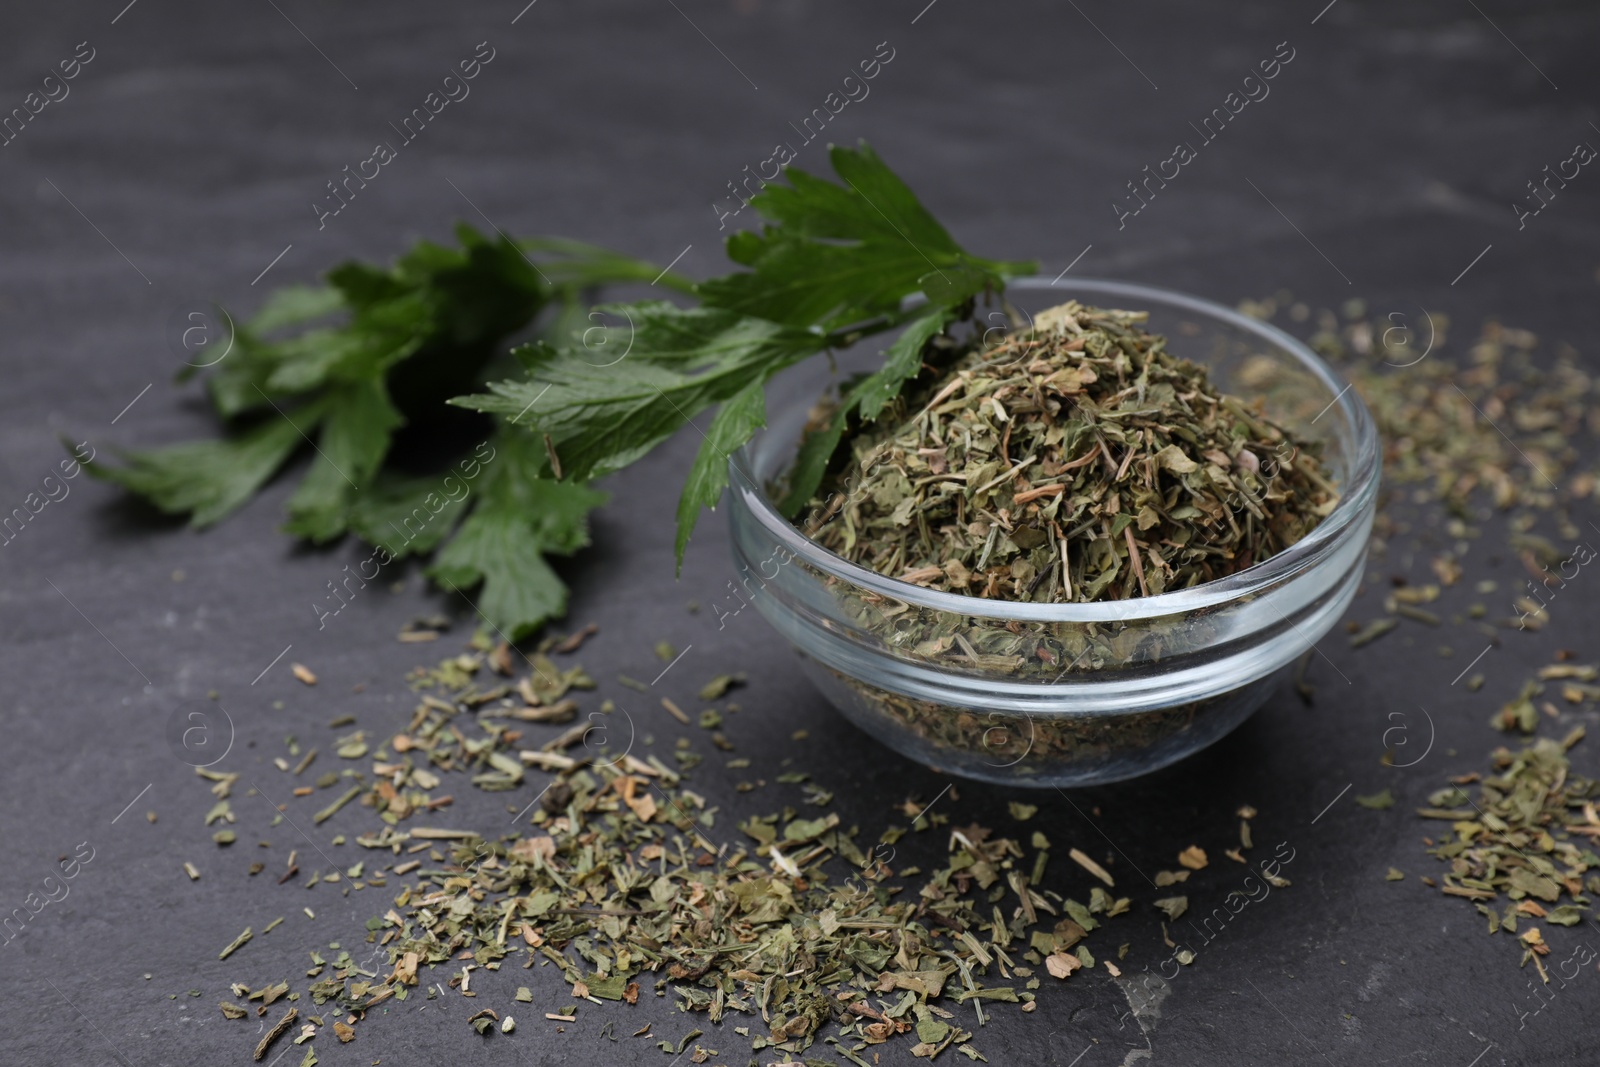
(1376, 801)
(623, 879)
(1076, 461)
(1529, 837)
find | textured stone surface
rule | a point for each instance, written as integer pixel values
(196, 139)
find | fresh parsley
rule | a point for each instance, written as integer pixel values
(835, 263)
(338, 370)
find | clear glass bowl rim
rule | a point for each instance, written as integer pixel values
(1360, 486)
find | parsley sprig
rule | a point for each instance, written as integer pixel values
(347, 364)
(835, 263)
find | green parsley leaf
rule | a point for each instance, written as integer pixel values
(740, 417)
(409, 516)
(865, 399)
(840, 254)
(354, 439)
(207, 480)
(336, 370)
(599, 417)
(502, 543)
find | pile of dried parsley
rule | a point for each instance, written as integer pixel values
(1077, 461)
(1518, 839)
(622, 878)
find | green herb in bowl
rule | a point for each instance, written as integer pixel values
(1076, 461)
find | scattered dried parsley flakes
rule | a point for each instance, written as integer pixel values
(1517, 840)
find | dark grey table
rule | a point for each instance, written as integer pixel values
(182, 164)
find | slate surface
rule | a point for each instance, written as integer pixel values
(183, 163)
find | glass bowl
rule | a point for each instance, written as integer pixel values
(1067, 694)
